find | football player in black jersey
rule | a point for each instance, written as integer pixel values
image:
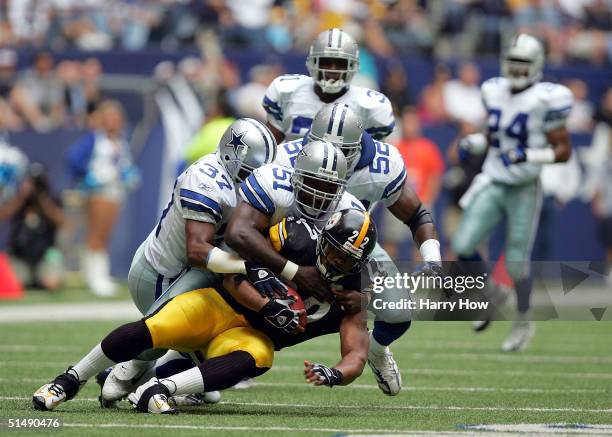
(237, 329)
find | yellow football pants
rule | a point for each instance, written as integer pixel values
(203, 320)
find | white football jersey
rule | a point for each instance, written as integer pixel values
(521, 121)
(268, 189)
(379, 175)
(291, 104)
(204, 192)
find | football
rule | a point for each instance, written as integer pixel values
(298, 305)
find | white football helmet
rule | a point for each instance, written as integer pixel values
(319, 179)
(337, 44)
(523, 61)
(245, 145)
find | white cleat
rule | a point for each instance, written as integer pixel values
(519, 337)
(152, 397)
(63, 388)
(122, 380)
(244, 384)
(385, 371)
(195, 400)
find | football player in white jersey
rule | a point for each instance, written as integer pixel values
(526, 129)
(376, 173)
(313, 190)
(182, 252)
(292, 100)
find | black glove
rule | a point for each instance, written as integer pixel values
(265, 281)
(278, 314)
(329, 376)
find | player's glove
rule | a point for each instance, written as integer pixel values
(433, 269)
(265, 281)
(513, 156)
(278, 314)
(473, 144)
(328, 376)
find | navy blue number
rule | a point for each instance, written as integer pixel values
(281, 174)
(382, 97)
(381, 163)
(223, 183)
(213, 172)
(300, 123)
(518, 130)
(165, 211)
(293, 148)
(493, 122)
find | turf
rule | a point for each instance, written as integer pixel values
(452, 377)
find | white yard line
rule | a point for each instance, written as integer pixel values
(67, 312)
(383, 407)
(527, 390)
(417, 371)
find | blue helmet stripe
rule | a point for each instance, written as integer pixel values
(331, 119)
(341, 124)
(263, 134)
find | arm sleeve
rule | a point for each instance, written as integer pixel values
(199, 200)
(257, 190)
(272, 104)
(381, 121)
(397, 177)
(559, 101)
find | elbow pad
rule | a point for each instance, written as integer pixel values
(420, 217)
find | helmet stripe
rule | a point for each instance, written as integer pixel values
(341, 125)
(265, 138)
(335, 161)
(329, 37)
(325, 153)
(364, 229)
(339, 38)
(331, 119)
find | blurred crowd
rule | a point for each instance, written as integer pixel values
(46, 96)
(572, 29)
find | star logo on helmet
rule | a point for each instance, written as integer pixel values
(237, 141)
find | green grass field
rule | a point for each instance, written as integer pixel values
(452, 378)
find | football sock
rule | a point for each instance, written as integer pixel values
(127, 341)
(171, 364)
(386, 333)
(215, 374)
(92, 363)
(187, 382)
(523, 294)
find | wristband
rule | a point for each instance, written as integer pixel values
(430, 251)
(219, 261)
(540, 156)
(289, 270)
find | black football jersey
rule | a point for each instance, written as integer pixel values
(296, 240)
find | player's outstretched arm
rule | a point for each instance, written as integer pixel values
(410, 210)
(245, 235)
(354, 344)
(199, 239)
(560, 141)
